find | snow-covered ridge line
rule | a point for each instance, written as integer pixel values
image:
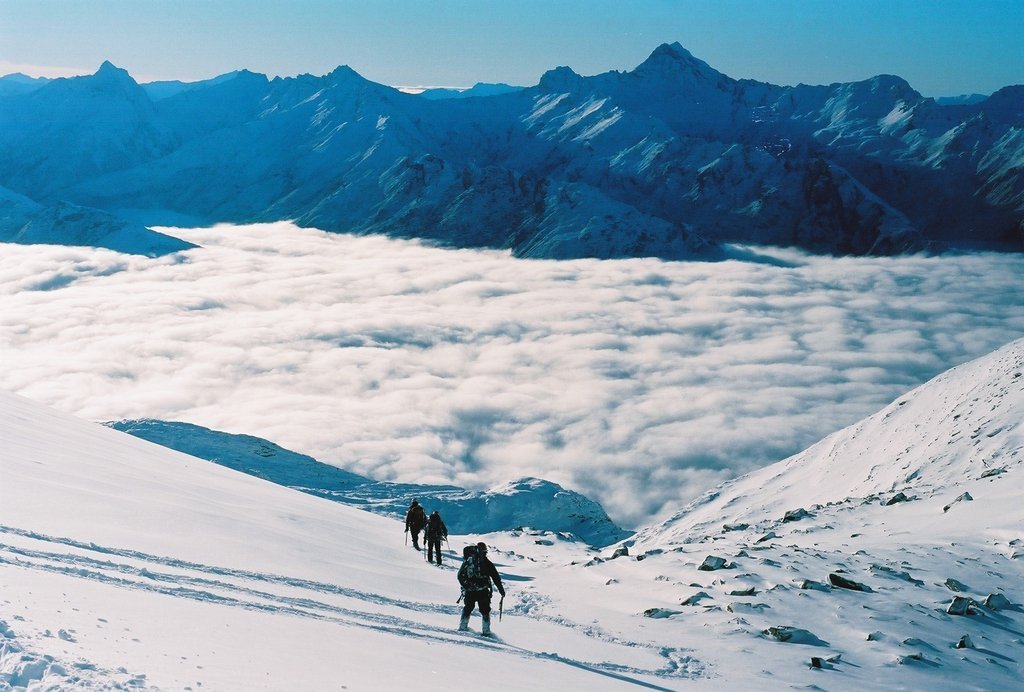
(667, 160)
(527, 502)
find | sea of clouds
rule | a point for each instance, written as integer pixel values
(640, 383)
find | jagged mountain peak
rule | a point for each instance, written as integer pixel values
(110, 72)
(560, 79)
(672, 60)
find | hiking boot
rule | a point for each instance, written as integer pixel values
(486, 631)
(463, 624)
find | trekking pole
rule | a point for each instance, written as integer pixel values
(501, 604)
(407, 535)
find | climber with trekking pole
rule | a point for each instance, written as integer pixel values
(436, 532)
(475, 577)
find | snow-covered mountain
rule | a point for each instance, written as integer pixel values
(656, 161)
(528, 502)
(889, 555)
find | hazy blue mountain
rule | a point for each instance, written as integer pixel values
(670, 159)
(478, 89)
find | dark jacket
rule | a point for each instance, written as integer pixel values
(415, 518)
(436, 528)
(487, 570)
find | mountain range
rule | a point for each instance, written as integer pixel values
(672, 159)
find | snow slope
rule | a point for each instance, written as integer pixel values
(124, 563)
(127, 564)
(531, 502)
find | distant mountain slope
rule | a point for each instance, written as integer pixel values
(527, 502)
(657, 161)
(960, 432)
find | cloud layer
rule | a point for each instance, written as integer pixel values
(638, 382)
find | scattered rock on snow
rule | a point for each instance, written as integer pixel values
(841, 582)
(620, 552)
(897, 574)
(712, 562)
(767, 537)
(964, 497)
(735, 527)
(749, 591)
(695, 598)
(954, 585)
(875, 636)
(965, 643)
(993, 472)
(659, 613)
(959, 606)
(813, 585)
(793, 635)
(997, 601)
(796, 514)
(747, 607)
(898, 497)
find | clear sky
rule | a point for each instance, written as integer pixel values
(942, 47)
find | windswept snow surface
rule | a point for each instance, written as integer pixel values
(126, 564)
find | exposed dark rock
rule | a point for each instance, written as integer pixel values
(841, 582)
(711, 563)
(965, 643)
(767, 537)
(898, 497)
(735, 527)
(750, 591)
(620, 552)
(993, 472)
(659, 613)
(875, 636)
(695, 598)
(997, 601)
(965, 497)
(796, 514)
(954, 585)
(959, 606)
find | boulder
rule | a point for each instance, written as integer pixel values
(898, 497)
(735, 527)
(997, 601)
(711, 563)
(954, 585)
(767, 537)
(841, 582)
(965, 643)
(796, 514)
(659, 613)
(959, 606)
(695, 598)
(963, 497)
(749, 591)
(793, 635)
(620, 552)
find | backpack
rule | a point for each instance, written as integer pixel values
(471, 575)
(416, 518)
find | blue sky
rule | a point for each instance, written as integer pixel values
(942, 47)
